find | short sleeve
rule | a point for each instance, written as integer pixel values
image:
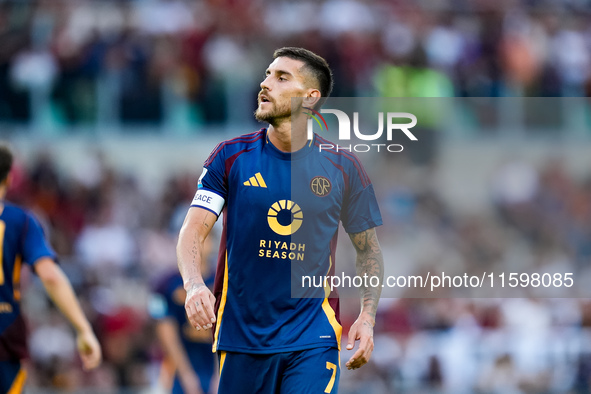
(35, 244)
(360, 207)
(212, 189)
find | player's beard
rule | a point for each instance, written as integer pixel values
(273, 114)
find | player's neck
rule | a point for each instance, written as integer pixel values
(287, 136)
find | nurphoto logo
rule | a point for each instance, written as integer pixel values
(344, 123)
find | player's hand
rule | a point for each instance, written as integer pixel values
(190, 383)
(199, 306)
(361, 330)
(89, 350)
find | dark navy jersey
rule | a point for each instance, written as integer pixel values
(281, 213)
(168, 301)
(22, 241)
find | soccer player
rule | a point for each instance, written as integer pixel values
(282, 201)
(22, 240)
(188, 351)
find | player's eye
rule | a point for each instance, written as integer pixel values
(282, 79)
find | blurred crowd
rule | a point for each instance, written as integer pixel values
(114, 243)
(536, 219)
(190, 63)
(115, 240)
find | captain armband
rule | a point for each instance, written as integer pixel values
(209, 200)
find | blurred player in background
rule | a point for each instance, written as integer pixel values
(23, 240)
(189, 365)
(267, 341)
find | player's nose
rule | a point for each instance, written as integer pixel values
(265, 84)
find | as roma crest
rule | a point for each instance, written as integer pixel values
(320, 186)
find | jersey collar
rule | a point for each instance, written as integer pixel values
(272, 150)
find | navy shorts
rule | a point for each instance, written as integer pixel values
(308, 371)
(12, 377)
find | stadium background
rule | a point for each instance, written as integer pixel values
(113, 106)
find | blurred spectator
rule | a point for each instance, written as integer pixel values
(175, 62)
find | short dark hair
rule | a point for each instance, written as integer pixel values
(317, 65)
(5, 161)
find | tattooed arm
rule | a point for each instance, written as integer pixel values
(199, 302)
(370, 263)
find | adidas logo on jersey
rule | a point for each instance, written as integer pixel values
(256, 181)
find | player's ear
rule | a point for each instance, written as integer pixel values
(312, 98)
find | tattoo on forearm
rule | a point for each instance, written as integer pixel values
(195, 248)
(189, 254)
(369, 262)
